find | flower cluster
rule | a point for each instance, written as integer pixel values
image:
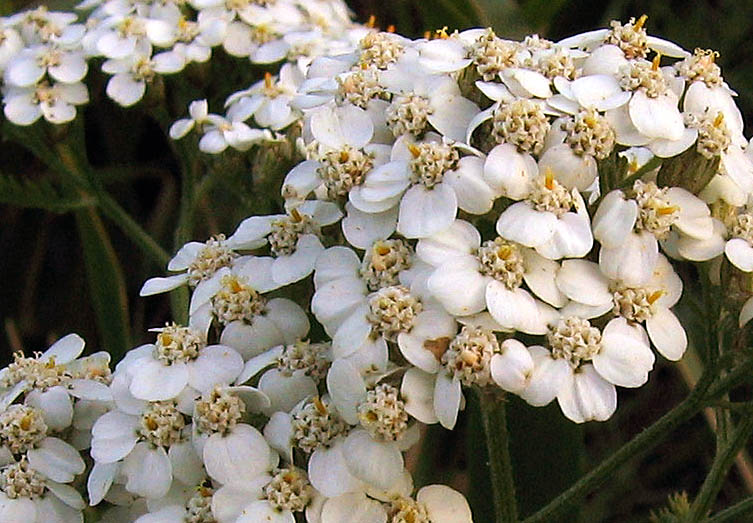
(513, 214)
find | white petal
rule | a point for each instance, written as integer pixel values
(625, 358)
(100, 479)
(512, 369)
(125, 90)
(667, 334)
(236, 457)
(447, 399)
(329, 473)
(417, 391)
(361, 229)
(540, 277)
(656, 117)
(424, 212)
(614, 219)
(459, 286)
(522, 224)
(377, 463)
(347, 389)
(352, 507)
(451, 115)
(148, 471)
(65, 350)
(444, 505)
(632, 261)
(548, 377)
(216, 365)
(513, 309)
(509, 171)
(740, 254)
(56, 406)
(56, 459)
(460, 239)
(251, 340)
(584, 282)
(587, 396)
(473, 193)
(113, 436)
(285, 392)
(155, 381)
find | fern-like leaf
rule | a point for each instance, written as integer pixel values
(42, 193)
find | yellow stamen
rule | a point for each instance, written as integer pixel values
(391, 28)
(372, 21)
(415, 151)
(296, 215)
(442, 33)
(655, 296)
(165, 339)
(268, 80)
(719, 120)
(639, 24)
(320, 407)
(427, 35)
(235, 285)
(468, 357)
(655, 62)
(504, 252)
(663, 211)
(549, 179)
(344, 156)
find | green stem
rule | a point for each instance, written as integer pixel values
(733, 513)
(722, 462)
(132, 229)
(500, 467)
(641, 443)
(647, 439)
(650, 165)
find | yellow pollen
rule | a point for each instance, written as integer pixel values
(415, 151)
(655, 296)
(633, 166)
(320, 407)
(235, 286)
(427, 35)
(442, 33)
(165, 339)
(655, 62)
(381, 250)
(26, 422)
(663, 211)
(344, 156)
(468, 357)
(639, 24)
(391, 28)
(372, 21)
(296, 215)
(268, 80)
(204, 492)
(549, 179)
(590, 121)
(504, 252)
(719, 120)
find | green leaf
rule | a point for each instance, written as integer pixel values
(43, 193)
(107, 288)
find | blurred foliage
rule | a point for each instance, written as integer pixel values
(57, 278)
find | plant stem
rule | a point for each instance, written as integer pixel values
(133, 230)
(650, 437)
(722, 462)
(641, 443)
(494, 421)
(733, 513)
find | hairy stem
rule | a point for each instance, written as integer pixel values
(494, 421)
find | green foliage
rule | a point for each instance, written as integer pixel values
(43, 193)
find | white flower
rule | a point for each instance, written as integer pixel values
(294, 239)
(628, 229)
(583, 365)
(429, 182)
(179, 359)
(56, 102)
(148, 443)
(268, 100)
(471, 277)
(583, 282)
(30, 66)
(546, 222)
